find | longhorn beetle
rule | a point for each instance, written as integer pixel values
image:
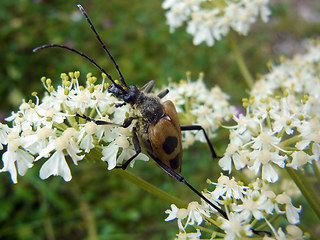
(157, 129)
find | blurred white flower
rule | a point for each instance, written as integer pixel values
(198, 105)
(208, 21)
(281, 125)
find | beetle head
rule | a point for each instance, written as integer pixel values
(128, 94)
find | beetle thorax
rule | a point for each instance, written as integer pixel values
(149, 107)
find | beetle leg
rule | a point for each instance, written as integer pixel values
(147, 88)
(177, 176)
(117, 105)
(199, 127)
(137, 147)
(126, 123)
(163, 93)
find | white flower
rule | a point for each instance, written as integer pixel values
(310, 131)
(228, 188)
(235, 227)
(299, 159)
(232, 155)
(179, 213)
(293, 232)
(15, 158)
(204, 107)
(252, 204)
(35, 142)
(4, 130)
(194, 214)
(56, 164)
(208, 21)
(188, 236)
(292, 213)
(86, 136)
(264, 160)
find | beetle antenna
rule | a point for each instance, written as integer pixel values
(102, 44)
(82, 55)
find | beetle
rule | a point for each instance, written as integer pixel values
(156, 129)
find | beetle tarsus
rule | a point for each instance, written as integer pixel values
(118, 105)
(137, 148)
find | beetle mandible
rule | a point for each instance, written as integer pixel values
(157, 129)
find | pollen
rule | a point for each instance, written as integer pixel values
(93, 80)
(76, 74)
(71, 74)
(66, 91)
(89, 75)
(63, 75)
(48, 81)
(91, 89)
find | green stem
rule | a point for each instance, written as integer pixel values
(87, 213)
(316, 170)
(240, 60)
(289, 141)
(150, 188)
(71, 119)
(305, 189)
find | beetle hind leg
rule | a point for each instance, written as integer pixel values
(177, 176)
(199, 127)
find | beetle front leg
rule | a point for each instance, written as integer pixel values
(126, 123)
(199, 127)
(137, 147)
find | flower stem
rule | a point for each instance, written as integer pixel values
(316, 169)
(150, 188)
(305, 189)
(240, 60)
(87, 213)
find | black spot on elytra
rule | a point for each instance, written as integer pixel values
(175, 163)
(170, 144)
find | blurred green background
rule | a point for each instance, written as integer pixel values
(98, 204)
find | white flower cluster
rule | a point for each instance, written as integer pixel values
(280, 129)
(49, 129)
(244, 205)
(281, 126)
(209, 20)
(198, 105)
